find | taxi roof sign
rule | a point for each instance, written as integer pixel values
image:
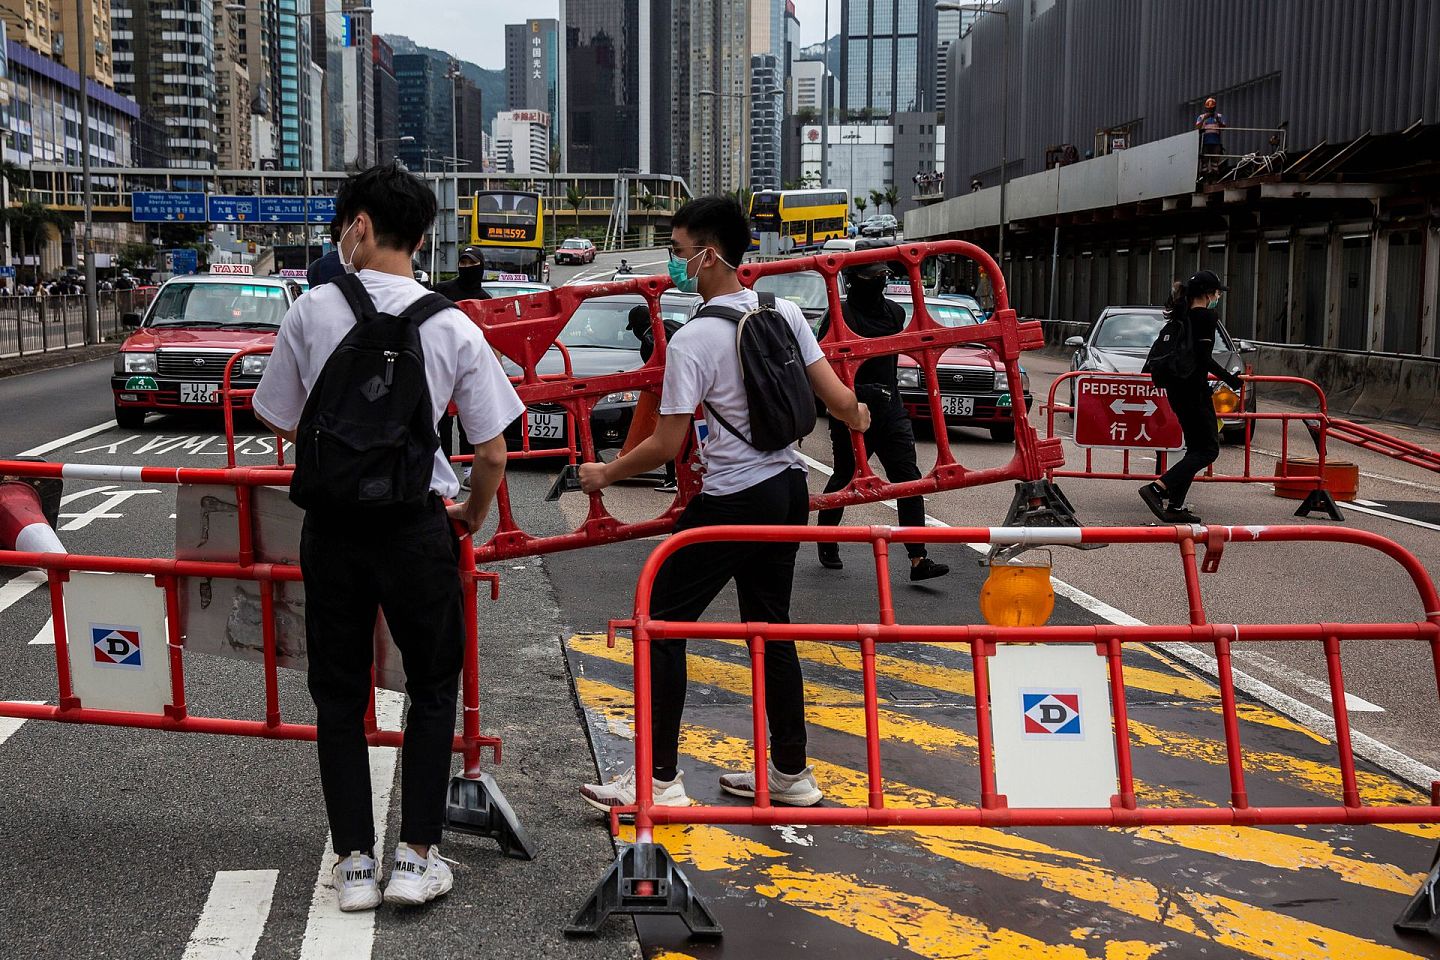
(293, 273)
(232, 269)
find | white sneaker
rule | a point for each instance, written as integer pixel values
(415, 879)
(620, 792)
(355, 882)
(793, 790)
(465, 480)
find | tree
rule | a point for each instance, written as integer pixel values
(860, 205)
(892, 196)
(877, 200)
(30, 221)
(553, 163)
(742, 196)
(807, 115)
(573, 199)
(134, 255)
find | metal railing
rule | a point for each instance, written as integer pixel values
(43, 323)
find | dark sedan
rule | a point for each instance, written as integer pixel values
(598, 342)
(805, 289)
(1121, 339)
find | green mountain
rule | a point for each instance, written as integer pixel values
(490, 82)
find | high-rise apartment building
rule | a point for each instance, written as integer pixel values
(522, 142)
(50, 28)
(532, 65)
(257, 36)
(887, 57)
(719, 77)
(768, 65)
(234, 148)
(164, 57)
(617, 82)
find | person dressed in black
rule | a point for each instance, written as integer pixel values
(890, 437)
(638, 323)
(1193, 303)
(469, 284)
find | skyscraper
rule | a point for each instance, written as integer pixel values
(887, 57)
(768, 65)
(49, 28)
(532, 65)
(165, 61)
(234, 148)
(949, 25)
(387, 100)
(424, 109)
(296, 116)
(719, 77)
(616, 83)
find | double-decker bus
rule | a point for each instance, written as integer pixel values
(804, 219)
(510, 226)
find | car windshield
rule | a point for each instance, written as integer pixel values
(945, 314)
(573, 244)
(219, 305)
(806, 290)
(602, 323)
(499, 290)
(1137, 331)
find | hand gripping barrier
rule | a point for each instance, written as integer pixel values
(645, 879)
(475, 805)
(1132, 463)
(524, 328)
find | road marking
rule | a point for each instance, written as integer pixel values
(1355, 505)
(18, 587)
(101, 511)
(1207, 916)
(8, 725)
(1393, 761)
(330, 934)
(234, 916)
(1304, 681)
(46, 636)
(78, 435)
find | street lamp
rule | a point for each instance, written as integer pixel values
(384, 140)
(950, 5)
(854, 137)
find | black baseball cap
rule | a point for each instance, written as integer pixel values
(473, 253)
(1205, 281)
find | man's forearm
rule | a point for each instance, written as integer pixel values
(283, 434)
(486, 472)
(649, 454)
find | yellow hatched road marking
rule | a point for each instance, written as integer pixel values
(1279, 850)
(1224, 920)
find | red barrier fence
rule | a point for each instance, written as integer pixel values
(1145, 464)
(645, 880)
(524, 328)
(476, 804)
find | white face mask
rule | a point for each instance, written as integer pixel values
(347, 264)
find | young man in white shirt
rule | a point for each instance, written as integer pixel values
(401, 560)
(741, 485)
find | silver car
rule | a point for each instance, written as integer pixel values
(1120, 341)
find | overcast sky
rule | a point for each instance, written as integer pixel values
(478, 34)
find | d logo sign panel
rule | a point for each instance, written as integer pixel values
(1050, 712)
(117, 643)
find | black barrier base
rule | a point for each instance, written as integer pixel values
(1038, 503)
(1423, 913)
(671, 894)
(1322, 501)
(477, 807)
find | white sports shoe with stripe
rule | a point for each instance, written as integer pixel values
(620, 792)
(355, 882)
(415, 879)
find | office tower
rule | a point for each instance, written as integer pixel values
(532, 65)
(387, 100)
(887, 57)
(522, 142)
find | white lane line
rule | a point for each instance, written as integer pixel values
(1405, 767)
(18, 587)
(1355, 505)
(330, 934)
(1319, 689)
(45, 448)
(8, 725)
(234, 916)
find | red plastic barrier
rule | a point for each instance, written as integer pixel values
(981, 641)
(524, 328)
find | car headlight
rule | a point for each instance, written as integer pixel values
(908, 377)
(624, 396)
(135, 363)
(254, 364)
(1002, 380)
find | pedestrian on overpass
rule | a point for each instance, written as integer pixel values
(378, 534)
(1180, 363)
(742, 484)
(869, 313)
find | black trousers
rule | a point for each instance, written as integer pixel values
(448, 428)
(407, 566)
(695, 575)
(892, 439)
(1195, 410)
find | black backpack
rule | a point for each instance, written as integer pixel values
(367, 435)
(1172, 355)
(777, 388)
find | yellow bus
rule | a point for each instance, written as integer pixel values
(509, 225)
(804, 219)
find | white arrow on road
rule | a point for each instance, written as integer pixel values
(1147, 408)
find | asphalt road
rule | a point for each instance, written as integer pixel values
(133, 844)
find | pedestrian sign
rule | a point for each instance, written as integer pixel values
(1124, 413)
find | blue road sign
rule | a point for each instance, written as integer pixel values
(234, 209)
(182, 261)
(7, 271)
(321, 209)
(164, 207)
(282, 209)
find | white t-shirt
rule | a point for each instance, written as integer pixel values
(459, 365)
(702, 366)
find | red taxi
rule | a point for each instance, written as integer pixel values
(176, 358)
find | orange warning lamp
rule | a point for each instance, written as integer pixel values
(1226, 400)
(1017, 595)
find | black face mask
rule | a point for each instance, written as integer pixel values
(865, 288)
(472, 274)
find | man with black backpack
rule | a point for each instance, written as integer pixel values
(751, 368)
(362, 370)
